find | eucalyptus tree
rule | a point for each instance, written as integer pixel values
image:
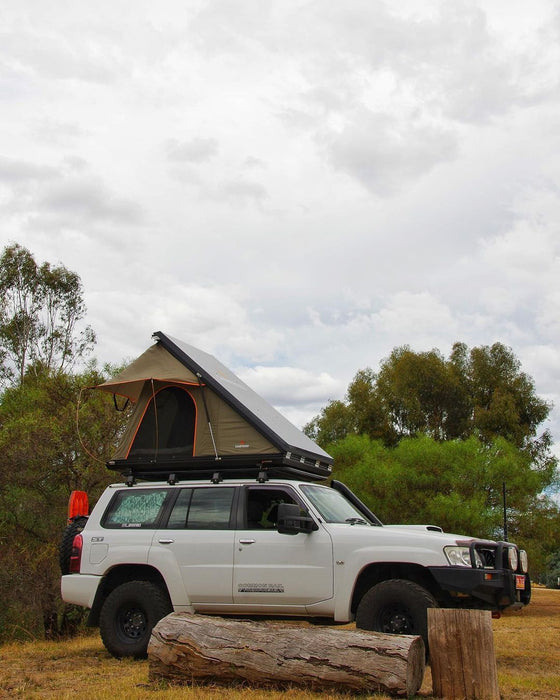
(41, 307)
(481, 392)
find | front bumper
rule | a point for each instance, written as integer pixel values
(492, 589)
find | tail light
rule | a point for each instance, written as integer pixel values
(76, 555)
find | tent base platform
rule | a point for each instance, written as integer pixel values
(260, 467)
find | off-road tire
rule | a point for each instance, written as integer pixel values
(128, 616)
(396, 606)
(65, 547)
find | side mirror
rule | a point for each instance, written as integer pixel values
(292, 520)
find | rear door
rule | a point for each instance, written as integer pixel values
(126, 528)
(197, 545)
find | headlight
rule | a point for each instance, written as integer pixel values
(513, 559)
(524, 561)
(461, 556)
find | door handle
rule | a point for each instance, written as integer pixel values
(166, 541)
(247, 541)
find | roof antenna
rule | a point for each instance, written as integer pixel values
(504, 496)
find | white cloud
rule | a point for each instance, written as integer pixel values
(296, 187)
(385, 154)
(14, 172)
(85, 201)
(429, 317)
(292, 386)
(195, 150)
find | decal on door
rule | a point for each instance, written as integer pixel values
(260, 588)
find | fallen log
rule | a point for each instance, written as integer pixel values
(186, 647)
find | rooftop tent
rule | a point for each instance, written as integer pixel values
(193, 416)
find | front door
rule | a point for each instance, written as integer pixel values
(274, 572)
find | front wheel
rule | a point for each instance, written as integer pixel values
(396, 606)
(128, 616)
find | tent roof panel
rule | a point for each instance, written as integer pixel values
(248, 403)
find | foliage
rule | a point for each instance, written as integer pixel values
(40, 308)
(552, 574)
(43, 460)
(456, 484)
(43, 457)
(482, 392)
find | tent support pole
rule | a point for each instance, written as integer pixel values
(202, 387)
(155, 418)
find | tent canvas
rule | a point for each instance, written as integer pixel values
(192, 414)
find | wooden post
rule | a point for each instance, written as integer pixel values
(462, 654)
(185, 648)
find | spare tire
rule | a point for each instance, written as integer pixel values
(65, 547)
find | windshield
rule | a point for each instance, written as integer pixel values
(332, 505)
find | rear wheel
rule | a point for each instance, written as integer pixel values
(396, 606)
(128, 616)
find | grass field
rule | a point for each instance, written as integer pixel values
(527, 645)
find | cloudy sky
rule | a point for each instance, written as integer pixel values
(296, 186)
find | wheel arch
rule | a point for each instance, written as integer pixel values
(373, 574)
(123, 574)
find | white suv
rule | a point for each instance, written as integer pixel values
(271, 547)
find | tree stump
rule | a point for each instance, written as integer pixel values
(462, 654)
(186, 647)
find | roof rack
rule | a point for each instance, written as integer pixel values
(279, 466)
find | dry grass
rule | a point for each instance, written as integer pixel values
(527, 649)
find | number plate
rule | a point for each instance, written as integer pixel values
(519, 582)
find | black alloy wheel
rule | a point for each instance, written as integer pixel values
(396, 606)
(128, 616)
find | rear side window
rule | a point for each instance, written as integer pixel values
(135, 508)
(202, 509)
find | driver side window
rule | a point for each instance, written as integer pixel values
(261, 506)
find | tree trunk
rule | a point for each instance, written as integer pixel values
(186, 647)
(462, 654)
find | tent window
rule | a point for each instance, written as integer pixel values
(169, 428)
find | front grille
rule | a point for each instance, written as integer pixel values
(493, 554)
(488, 556)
